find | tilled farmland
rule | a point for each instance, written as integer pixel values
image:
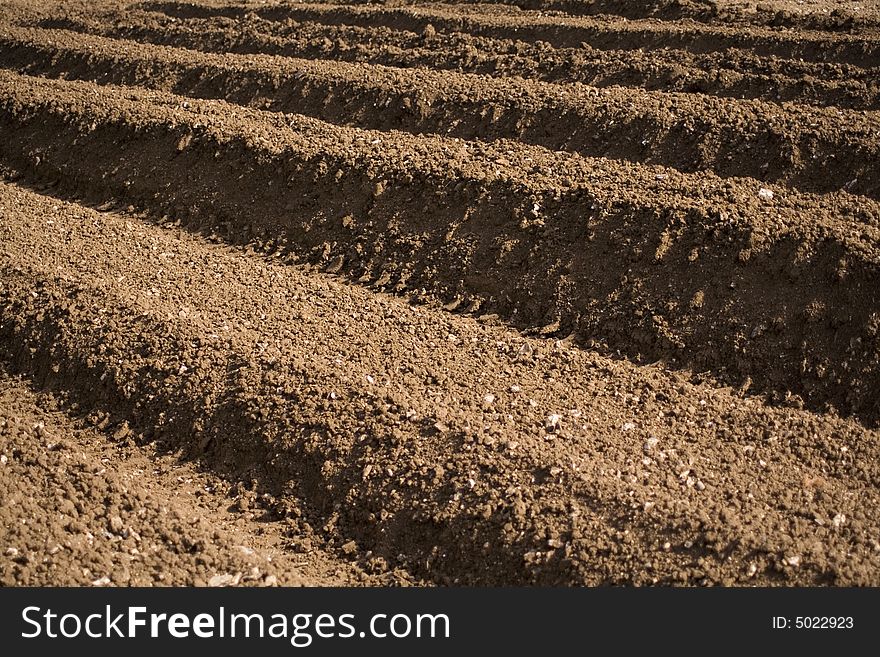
(556, 292)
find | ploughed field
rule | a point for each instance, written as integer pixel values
(558, 292)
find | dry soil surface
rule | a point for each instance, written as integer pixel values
(560, 292)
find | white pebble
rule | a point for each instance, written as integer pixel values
(488, 399)
(221, 580)
(765, 194)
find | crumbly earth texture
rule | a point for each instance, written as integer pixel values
(557, 292)
(86, 506)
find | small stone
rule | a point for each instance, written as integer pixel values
(793, 561)
(3, 459)
(11, 552)
(270, 580)
(224, 579)
(349, 548)
(515, 388)
(765, 194)
(184, 142)
(838, 520)
(122, 432)
(552, 422)
(116, 524)
(628, 426)
(104, 581)
(488, 399)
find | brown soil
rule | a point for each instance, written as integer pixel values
(842, 15)
(425, 325)
(793, 145)
(727, 73)
(86, 502)
(603, 33)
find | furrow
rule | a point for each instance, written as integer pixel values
(731, 74)
(425, 438)
(810, 149)
(561, 31)
(845, 17)
(86, 506)
(644, 261)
